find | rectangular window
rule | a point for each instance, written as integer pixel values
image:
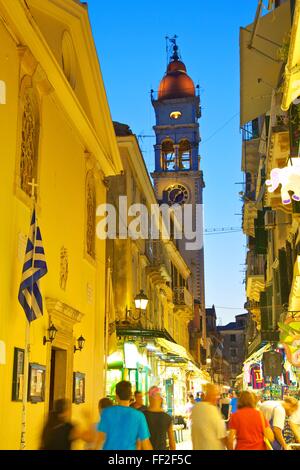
(233, 352)
(232, 338)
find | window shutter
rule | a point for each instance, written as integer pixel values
(261, 235)
(266, 309)
(296, 207)
(283, 272)
(290, 264)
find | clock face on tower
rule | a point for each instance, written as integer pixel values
(177, 194)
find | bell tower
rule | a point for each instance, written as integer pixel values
(177, 176)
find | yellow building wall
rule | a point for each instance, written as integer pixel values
(53, 31)
(61, 214)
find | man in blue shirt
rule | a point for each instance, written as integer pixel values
(122, 427)
(199, 397)
(234, 402)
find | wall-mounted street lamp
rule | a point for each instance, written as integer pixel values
(141, 301)
(80, 342)
(51, 333)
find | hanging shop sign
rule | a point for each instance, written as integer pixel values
(131, 355)
(290, 338)
(289, 179)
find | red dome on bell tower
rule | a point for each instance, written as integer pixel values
(176, 83)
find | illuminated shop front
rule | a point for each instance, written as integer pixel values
(274, 387)
(130, 362)
(148, 358)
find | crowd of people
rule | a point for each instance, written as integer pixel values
(124, 426)
(244, 423)
(228, 422)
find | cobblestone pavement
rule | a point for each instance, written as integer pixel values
(187, 442)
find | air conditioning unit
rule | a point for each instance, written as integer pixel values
(270, 219)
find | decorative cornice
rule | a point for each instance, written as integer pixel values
(57, 308)
(102, 143)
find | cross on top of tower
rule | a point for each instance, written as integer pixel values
(176, 83)
(175, 55)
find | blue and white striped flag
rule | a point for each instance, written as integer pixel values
(34, 268)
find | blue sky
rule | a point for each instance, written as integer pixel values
(130, 40)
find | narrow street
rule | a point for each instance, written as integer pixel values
(150, 205)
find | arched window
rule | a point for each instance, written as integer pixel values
(168, 158)
(90, 215)
(29, 141)
(185, 155)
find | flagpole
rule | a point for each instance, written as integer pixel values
(27, 347)
(25, 386)
(106, 323)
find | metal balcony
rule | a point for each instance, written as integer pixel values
(255, 282)
(262, 338)
(159, 262)
(181, 296)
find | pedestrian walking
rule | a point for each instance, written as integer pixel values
(159, 423)
(295, 423)
(248, 428)
(233, 402)
(189, 406)
(102, 404)
(258, 399)
(138, 403)
(122, 427)
(208, 427)
(59, 432)
(225, 406)
(278, 413)
(198, 397)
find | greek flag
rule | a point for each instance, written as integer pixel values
(34, 268)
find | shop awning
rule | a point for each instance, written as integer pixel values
(130, 331)
(203, 375)
(292, 71)
(178, 351)
(260, 66)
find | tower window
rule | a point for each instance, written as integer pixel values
(175, 114)
(185, 155)
(167, 155)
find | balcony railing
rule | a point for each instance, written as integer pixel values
(251, 130)
(157, 256)
(155, 252)
(182, 296)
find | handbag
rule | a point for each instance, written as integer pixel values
(266, 440)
